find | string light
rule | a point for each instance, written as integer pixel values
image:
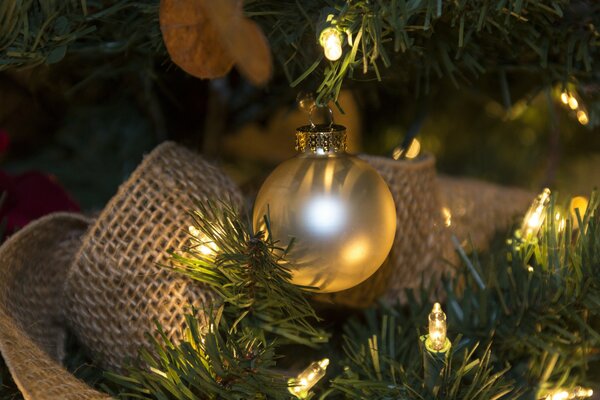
(578, 203)
(331, 41)
(577, 392)
(437, 328)
(411, 152)
(301, 385)
(535, 215)
(582, 117)
(447, 216)
(573, 103)
(206, 247)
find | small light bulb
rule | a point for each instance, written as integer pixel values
(564, 97)
(583, 392)
(331, 40)
(412, 151)
(535, 215)
(194, 231)
(573, 103)
(561, 395)
(577, 392)
(301, 385)
(205, 247)
(582, 117)
(437, 328)
(447, 216)
(578, 203)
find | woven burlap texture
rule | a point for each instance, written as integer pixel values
(116, 290)
(33, 267)
(477, 209)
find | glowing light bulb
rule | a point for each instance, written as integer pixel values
(331, 40)
(564, 97)
(437, 328)
(205, 247)
(577, 392)
(578, 203)
(447, 216)
(582, 117)
(411, 152)
(194, 231)
(535, 215)
(301, 385)
(573, 103)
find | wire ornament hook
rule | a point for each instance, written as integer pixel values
(312, 111)
(307, 103)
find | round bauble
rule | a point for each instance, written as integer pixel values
(335, 206)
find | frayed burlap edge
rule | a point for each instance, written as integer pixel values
(33, 266)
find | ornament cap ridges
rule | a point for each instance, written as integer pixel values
(321, 139)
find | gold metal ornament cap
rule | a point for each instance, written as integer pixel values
(321, 139)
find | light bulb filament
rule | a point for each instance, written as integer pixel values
(205, 247)
(331, 40)
(437, 328)
(301, 385)
(577, 392)
(535, 215)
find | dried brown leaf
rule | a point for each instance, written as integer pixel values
(193, 38)
(206, 37)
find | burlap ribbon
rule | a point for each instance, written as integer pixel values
(114, 289)
(34, 266)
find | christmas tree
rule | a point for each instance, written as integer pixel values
(342, 277)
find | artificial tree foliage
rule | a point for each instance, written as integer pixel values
(523, 319)
(405, 44)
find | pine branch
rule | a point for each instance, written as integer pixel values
(535, 309)
(409, 45)
(372, 373)
(250, 274)
(208, 364)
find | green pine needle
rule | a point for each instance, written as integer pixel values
(251, 276)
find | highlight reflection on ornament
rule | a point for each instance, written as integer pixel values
(325, 215)
(337, 208)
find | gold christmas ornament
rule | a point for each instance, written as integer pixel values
(336, 206)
